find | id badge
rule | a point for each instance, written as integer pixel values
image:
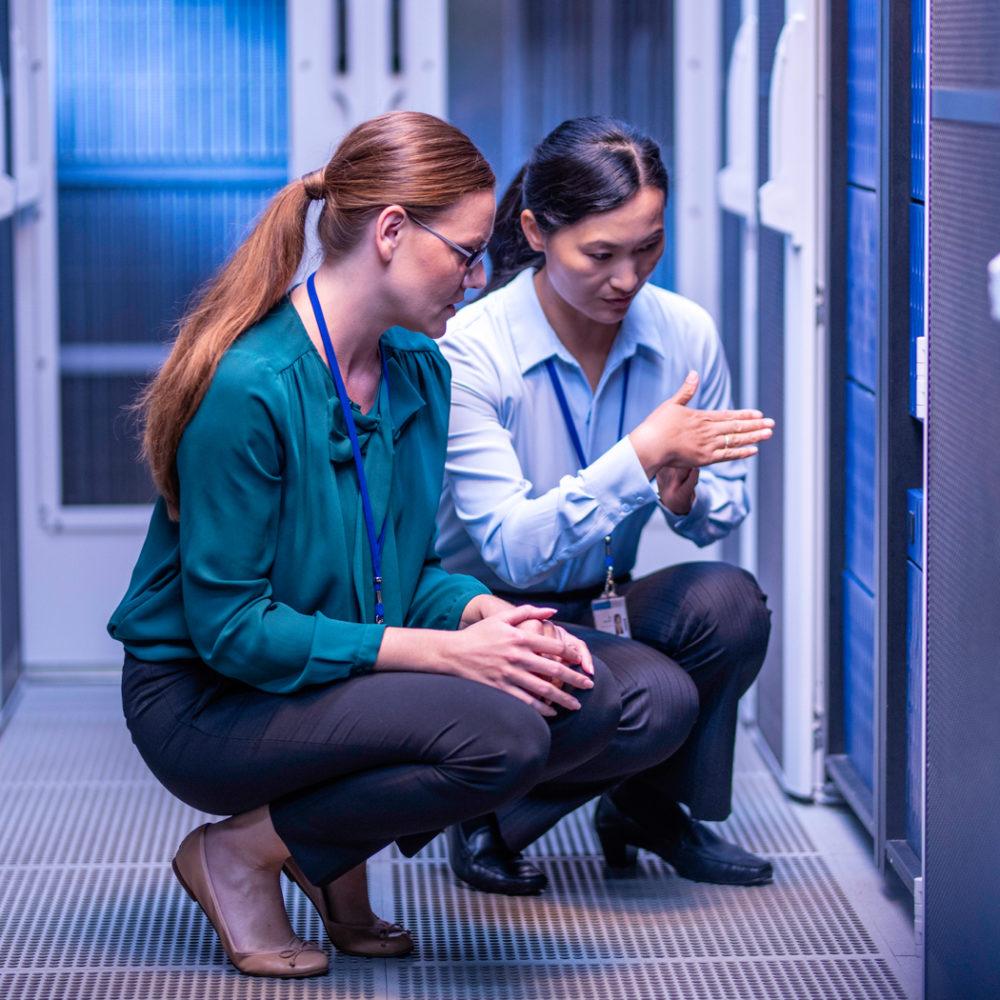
(610, 615)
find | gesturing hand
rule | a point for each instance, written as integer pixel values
(674, 434)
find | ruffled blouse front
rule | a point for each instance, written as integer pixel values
(267, 576)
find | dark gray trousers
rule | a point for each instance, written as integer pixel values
(349, 767)
(711, 620)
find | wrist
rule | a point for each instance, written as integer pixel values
(428, 654)
(481, 606)
(677, 508)
(653, 456)
(642, 444)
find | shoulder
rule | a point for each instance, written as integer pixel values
(683, 313)
(273, 343)
(477, 342)
(248, 378)
(419, 357)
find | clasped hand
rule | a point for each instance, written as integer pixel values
(520, 651)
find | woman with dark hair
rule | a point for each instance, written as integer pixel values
(584, 399)
(296, 657)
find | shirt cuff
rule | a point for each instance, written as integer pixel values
(451, 616)
(342, 649)
(618, 482)
(678, 522)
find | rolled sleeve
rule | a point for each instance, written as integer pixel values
(441, 597)
(520, 537)
(617, 482)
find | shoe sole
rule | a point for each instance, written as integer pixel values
(256, 975)
(760, 880)
(494, 891)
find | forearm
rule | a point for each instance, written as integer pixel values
(423, 650)
(523, 538)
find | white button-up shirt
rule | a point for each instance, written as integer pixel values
(516, 510)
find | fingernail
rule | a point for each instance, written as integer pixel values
(768, 422)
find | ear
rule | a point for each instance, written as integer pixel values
(388, 229)
(531, 231)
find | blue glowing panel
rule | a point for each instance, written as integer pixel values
(859, 486)
(130, 257)
(915, 526)
(859, 678)
(172, 134)
(918, 65)
(917, 238)
(862, 286)
(862, 92)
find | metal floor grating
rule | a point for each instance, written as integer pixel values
(92, 911)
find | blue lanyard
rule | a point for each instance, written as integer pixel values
(375, 543)
(568, 417)
(609, 583)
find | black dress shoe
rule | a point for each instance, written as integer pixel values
(693, 850)
(478, 856)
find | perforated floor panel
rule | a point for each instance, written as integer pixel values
(91, 911)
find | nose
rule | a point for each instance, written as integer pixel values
(625, 279)
(476, 277)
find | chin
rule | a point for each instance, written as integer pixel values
(434, 328)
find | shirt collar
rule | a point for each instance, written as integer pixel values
(535, 341)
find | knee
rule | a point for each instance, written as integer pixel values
(732, 605)
(600, 709)
(586, 731)
(667, 707)
(505, 750)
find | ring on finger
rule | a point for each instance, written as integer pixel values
(728, 438)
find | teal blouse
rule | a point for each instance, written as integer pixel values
(267, 576)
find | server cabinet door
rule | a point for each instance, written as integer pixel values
(962, 877)
(791, 204)
(770, 398)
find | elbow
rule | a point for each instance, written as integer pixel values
(517, 571)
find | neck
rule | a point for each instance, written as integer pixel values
(353, 319)
(588, 341)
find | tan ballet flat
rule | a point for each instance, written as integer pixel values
(296, 960)
(380, 939)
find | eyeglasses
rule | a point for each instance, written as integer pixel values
(472, 258)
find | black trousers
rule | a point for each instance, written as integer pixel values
(711, 620)
(349, 767)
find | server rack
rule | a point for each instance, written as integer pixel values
(873, 707)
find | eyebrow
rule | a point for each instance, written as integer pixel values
(477, 243)
(595, 244)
